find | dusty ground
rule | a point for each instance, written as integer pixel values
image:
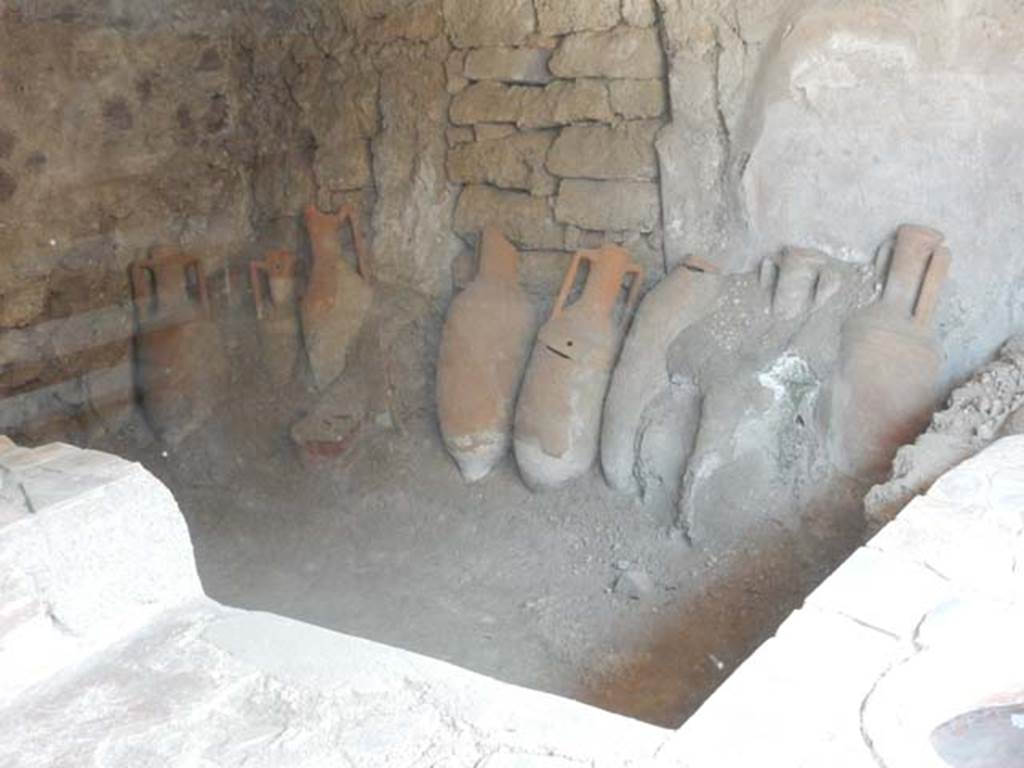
(389, 544)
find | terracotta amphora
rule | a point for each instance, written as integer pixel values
(179, 368)
(274, 291)
(484, 348)
(887, 380)
(337, 296)
(558, 416)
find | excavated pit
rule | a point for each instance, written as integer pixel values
(754, 160)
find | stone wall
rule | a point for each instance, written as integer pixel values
(211, 129)
(208, 128)
(553, 125)
(118, 130)
(714, 127)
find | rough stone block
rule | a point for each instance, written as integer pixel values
(489, 131)
(624, 52)
(474, 23)
(413, 22)
(91, 548)
(456, 135)
(634, 99)
(558, 103)
(487, 102)
(638, 13)
(623, 151)
(454, 66)
(558, 17)
(603, 205)
(524, 219)
(513, 162)
(564, 103)
(513, 65)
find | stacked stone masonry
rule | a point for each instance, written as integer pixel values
(553, 123)
(212, 129)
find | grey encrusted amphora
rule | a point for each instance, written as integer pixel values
(643, 406)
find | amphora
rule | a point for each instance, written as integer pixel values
(337, 296)
(274, 291)
(642, 407)
(558, 417)
(887, 381)
(180, 371)
(484, 348)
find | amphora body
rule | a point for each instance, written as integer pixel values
(558, 417)
(887, 382)
(274, 290)
(180, 369)
(484, 348)
(337, 296)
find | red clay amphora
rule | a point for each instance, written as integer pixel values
(180, 371)
(274, 290)
(337, 297)
(484, 348)
(887, 381)
(558, 417)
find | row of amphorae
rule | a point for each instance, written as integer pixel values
(552, 412)
(181, 374)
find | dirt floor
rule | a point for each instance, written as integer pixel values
(579, 592)
(389, 544)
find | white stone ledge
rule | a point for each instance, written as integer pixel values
(92, 548)
(924, 623)
(219, 687)
(111, 656)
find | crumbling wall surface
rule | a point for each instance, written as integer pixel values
(675, 127)
(206, 128)
(119, 129)
(212, 129)
(826, 124)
